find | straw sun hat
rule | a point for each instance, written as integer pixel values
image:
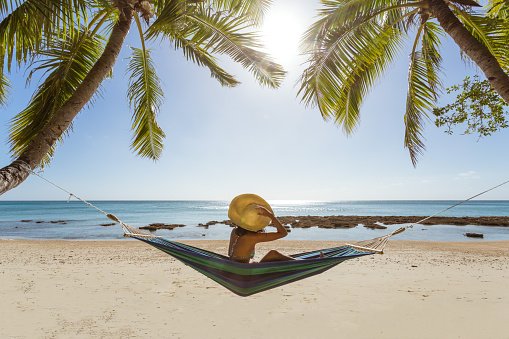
(243, 213)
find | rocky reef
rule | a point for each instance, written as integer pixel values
(350, 221)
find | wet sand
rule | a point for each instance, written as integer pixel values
(126, 289)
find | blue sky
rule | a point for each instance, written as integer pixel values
(223, 142)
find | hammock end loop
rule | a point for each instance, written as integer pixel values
(112, 217)
(400, 230)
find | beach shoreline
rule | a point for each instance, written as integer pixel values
(119, 289)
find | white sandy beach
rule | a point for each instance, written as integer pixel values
(126, 289)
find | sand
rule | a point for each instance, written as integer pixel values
(127, 289)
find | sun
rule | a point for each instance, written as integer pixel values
(281, 33)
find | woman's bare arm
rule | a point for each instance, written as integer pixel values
(281, 231)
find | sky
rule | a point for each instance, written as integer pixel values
(223, 142)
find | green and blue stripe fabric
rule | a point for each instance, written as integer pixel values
(246, 279)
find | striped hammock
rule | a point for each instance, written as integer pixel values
(246, 279)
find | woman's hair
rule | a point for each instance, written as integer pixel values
(239, 231)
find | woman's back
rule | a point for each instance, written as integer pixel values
(241, 245)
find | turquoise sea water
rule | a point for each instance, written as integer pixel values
(84, 223)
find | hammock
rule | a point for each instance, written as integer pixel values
(245, 279)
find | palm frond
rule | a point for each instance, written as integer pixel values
(157, 6)
(491, 31)
(422, 87)
(253, 10)
(431, 56)
(145, 98)
(476, 24)
(20, 38)
(5, 87)
(498, 9)
(337, 13)
(345, 68)
(225, 36)
(65, 65)
(202, 57)
(217, 33)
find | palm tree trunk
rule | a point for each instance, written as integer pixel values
(14, 174)
(498, 79)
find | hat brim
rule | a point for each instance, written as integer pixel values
(242, 212)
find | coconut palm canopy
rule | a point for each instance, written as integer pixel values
(74, 44)
(353, 43)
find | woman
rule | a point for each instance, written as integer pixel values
(251, 214)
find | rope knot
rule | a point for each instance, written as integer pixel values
(112, 217)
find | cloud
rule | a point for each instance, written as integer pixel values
(467, 176)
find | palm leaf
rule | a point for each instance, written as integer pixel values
(363, 77)
(5, 87)
(202, 57)
(476, 24)
(498, 9)
(346, 66)
(20, 40)
(499, 13)
(145, 98)
(493, 32)
(199, 29)
(66, 64)
(431, 56)
(351, 45)
(336, 13)
(226, 35)
(422, 90)
(253, 10)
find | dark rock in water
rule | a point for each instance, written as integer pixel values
(376, 227)
(26, 220)
(229, 223)
(376, 222)
(40, 222)
(159, 225)
(350, 221)
(474, 235)
(110, 224)
(338, 225)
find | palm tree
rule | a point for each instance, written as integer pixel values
(75, 43)
(354, 41)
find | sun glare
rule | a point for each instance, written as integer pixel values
(281, 35)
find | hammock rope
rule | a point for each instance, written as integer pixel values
(129, 231)
(378, 244)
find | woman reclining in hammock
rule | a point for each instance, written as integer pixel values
(251, 214)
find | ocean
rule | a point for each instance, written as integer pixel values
(75, 220)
